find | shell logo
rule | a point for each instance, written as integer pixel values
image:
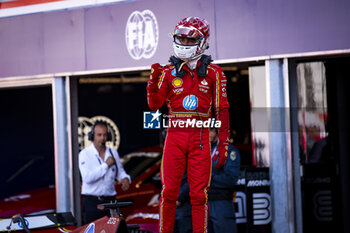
(177, 82)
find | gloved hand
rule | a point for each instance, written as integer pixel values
(156, 70)
(222, 153)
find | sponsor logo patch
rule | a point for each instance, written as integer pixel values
(206, 87)
(177, 82)
(178, 90)
(203, 90)
(190, 102)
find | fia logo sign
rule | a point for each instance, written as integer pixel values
(141, 34)
(151, 120)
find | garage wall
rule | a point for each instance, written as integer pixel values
(95, 38)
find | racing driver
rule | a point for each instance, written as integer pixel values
(192, 86)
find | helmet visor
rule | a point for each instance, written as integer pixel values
(188, 32)
(187, 41)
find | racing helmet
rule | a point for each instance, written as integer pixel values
(197, 31)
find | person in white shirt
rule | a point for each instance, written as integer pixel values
(99, 167)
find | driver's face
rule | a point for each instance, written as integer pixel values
(186, 41)
(100, 135)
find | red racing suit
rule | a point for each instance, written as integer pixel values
(190, 94)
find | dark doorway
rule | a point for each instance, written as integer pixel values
(26, 139)
(123, 99)
(324, 143)
(338, 79)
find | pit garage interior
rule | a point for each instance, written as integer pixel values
(27, 129)
(28, 120)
